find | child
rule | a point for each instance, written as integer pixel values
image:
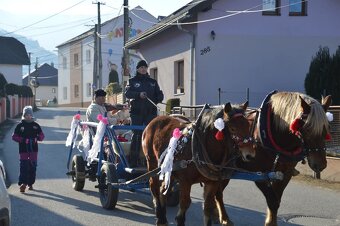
(27, 133)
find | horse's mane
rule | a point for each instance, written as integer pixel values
(287, 106)
(209, 116)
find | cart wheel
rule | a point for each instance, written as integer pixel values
(108, 194)
(78, 166)
(172, 197)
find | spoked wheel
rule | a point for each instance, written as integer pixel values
(172, 197)
(78, 167)
(108, 194)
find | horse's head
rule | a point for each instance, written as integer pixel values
(314, 131)
(239, 129)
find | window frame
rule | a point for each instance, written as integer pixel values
(88, 89)
(88, 56)
(179, 77)
(303, 9)
(154, 73)
(76, 91)
(76, 59)
(64, 63)
(65, 93)
(275, 12)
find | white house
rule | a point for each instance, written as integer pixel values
(76, 57)
(214, 51)
(13, 56)
(47, 77)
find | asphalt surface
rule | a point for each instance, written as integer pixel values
(54, 202)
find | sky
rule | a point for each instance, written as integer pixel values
(54, 22)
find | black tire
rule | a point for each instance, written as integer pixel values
(78, 166)
(172, 197)
(108, 194)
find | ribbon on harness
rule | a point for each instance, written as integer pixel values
(73, 134)
(93, 152)
(166, 160)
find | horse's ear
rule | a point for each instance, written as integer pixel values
(244, 105)
(326, 102)
(305, 107)
(227, 108)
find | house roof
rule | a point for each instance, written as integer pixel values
(46, 74)
(13, 52)
(179, 15)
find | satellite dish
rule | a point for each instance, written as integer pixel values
(34, 82)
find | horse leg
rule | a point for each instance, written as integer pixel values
(223, 216)
(273, 193)
(184, 202)
(158, 202)
(210, 190)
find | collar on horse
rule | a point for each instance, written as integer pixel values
(201, 157)
(266, 136)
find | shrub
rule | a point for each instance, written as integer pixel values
(170, 103)
(113, 88)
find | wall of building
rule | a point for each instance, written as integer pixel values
(259, 52)
(45, 93)
(12, 73)
(162, 52)
(64, 75)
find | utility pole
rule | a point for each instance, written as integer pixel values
(29, 70)
(36, 84)
(95, 61)
(99, 48)
(125, 62)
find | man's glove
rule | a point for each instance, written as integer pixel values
(142, 95)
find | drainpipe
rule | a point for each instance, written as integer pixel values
(192, 55)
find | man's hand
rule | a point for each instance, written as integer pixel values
(142, 95)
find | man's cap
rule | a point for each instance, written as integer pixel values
(100, 93)
(142, 63)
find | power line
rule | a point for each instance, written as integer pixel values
(46, 17)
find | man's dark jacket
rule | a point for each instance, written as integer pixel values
(143, 83)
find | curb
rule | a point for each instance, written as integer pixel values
(331, 173)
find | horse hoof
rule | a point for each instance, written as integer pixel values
(229, 223)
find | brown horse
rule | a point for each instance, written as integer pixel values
(291, 126)
(206, 162)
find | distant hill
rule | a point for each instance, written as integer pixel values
(44, 56)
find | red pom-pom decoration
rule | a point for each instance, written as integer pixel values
(77, 116)
(296, 125)
(328, 137)
(219, 135)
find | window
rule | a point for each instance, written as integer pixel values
(64, 62)
(65, 93)
(154, 73)
(297, 8)
(88, 56)
(179, 77)
(271, 7)
(76, 59)
(76, 91)
(88, 89)
(53, 90)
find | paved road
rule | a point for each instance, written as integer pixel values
(54, 202)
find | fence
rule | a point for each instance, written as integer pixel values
(13, 106)
(333, 146)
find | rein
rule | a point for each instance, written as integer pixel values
(201, 157)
